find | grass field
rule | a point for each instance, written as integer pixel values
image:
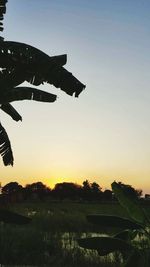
(50, 239)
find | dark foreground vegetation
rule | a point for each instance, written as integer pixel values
(57, 224)
(51, 237)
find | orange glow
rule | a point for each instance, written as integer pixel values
(50, 178)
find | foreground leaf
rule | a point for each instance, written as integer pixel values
(5, 147)
(2, 12)
(26, 93)
(37, 67)
(12, 217)
(113, 221)
(10, 110)
(127, 235)
(104, 245)
(132, 206)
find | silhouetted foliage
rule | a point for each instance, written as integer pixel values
(91, 191)
(96, 191)
(86, 190)
(12, 192)
(66, 191)
(37, 190)
(131, 191)
(129, 242)
(2, 12)
(107, 195)
(8, 216)
(11, 188)
(21, 62)
(95, 188)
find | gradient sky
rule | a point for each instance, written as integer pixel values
(104, 135)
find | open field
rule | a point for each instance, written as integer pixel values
(50, 239)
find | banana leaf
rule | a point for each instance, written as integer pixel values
(126, 235)
(5, 147)
(113, 221)
(10, 110)
(132, 206)
(20, 62)
(104, 245)
(26, 93)
(11, 77)
(2, 12)
(38, 67)
(7, 216)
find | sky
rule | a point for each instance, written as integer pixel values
(104, 135)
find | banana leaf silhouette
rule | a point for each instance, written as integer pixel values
(5, 147)
(2, 12)
(8, 216)
(21, 62)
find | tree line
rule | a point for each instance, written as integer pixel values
(66, 190)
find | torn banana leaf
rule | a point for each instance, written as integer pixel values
(104, 245)
(5, 147)
(26, 93)
(133, 207)
(12, 217)
(38, 67)
(113, 221)
(2, 12)
(10, 110)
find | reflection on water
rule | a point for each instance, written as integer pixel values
(65, 241)
(49, 242)
(32, 213)
(69, 239)
(69, 246)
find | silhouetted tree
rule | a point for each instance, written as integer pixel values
(91, 191)
(19, 63)
(12, 192)
(96, 191)
(66, 190)
(37, 189)
(11, 187)
(95, 188)
(107, 195)
(86, 190)
(139, 192)
(86, 185)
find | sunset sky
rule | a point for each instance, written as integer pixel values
(104, 135)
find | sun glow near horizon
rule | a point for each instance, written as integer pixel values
(50, 178)
(104, 135)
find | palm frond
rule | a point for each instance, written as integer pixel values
(2, 12)
(5, 147)
(10, 110)
(37, 67)
(26, 93)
